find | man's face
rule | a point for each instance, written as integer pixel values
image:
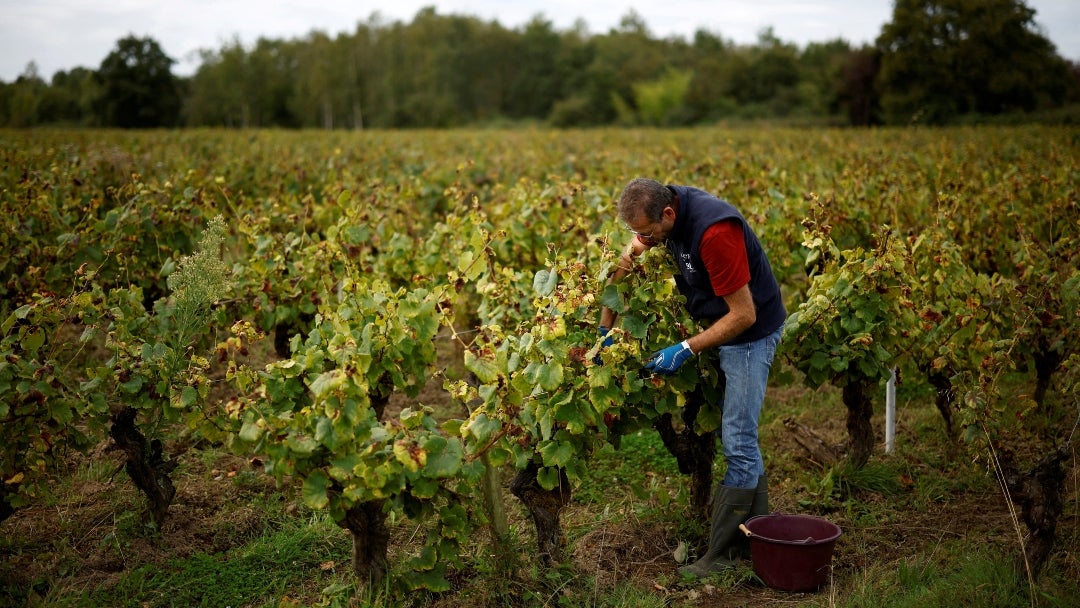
(653, 233)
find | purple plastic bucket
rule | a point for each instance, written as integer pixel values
(792, 552)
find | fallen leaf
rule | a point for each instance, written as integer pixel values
(680, 553)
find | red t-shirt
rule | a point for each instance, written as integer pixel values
(723, 251)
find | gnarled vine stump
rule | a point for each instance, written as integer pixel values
(366, 523)
(1038, 492)
(860, 432)
(545, 507)
(145, 464)
(693, 453)
(6, 510)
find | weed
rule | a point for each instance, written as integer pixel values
(284, 563)
(641, 466)
(958, 578)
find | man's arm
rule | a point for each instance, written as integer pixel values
(626, 262)
(741, 315)
(724, 252)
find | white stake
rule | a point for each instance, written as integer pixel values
(890, 413)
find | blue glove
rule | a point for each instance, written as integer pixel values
(669, 360)
(608, 340)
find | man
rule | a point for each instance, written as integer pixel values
(730, 290)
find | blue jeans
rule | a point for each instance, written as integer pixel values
(746, 372)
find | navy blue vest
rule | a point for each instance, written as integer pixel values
(697, 211)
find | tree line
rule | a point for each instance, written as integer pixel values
(935, 62)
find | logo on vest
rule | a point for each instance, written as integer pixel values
(686, 263)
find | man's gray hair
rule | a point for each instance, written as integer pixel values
(643, 196)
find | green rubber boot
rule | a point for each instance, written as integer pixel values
(740, 547)
(731, 507)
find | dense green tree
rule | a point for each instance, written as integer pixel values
(271, 67)
(769, 76)
(70, 98)
(536, 82)
(942, 58)
(354, 75)
(571, 108)
(138, 88)
(618, 60)
(473, 63)
(422, 92)
(237, 87)
(855, 92)
(821, 72)
(6, 93)
(391, 79)
(709, 95)
(24, 97)
(216, 90)
(372, 42)
(662, 102)
(319, 82)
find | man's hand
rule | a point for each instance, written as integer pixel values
(669, 360)
(608, 341)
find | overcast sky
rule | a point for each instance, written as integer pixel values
(64, 34)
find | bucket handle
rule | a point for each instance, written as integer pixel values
(808, 540)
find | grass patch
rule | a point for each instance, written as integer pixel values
(641, 467)
(298, 561)
(968, 576)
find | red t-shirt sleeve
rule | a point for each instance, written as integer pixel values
(723, 251)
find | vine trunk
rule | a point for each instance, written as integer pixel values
(1038, 492)
(366, 523)
(145, 464)
(694, 454)
(544, 506)
(860, 408)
